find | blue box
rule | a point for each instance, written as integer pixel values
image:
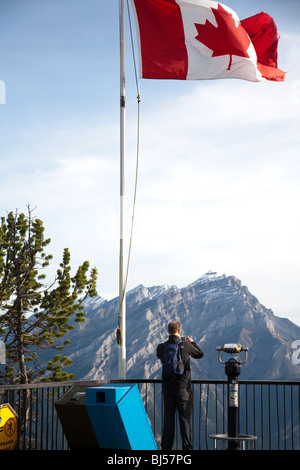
(118, 417)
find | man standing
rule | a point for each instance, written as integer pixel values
(177, 389)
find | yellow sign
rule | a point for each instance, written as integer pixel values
(8, 427)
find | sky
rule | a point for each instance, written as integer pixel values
(219, 167)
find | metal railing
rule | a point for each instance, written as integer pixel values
(269, 410)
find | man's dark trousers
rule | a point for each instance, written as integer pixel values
(180, 399)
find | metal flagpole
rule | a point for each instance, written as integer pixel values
(122, 293)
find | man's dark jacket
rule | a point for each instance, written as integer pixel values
(187, 350)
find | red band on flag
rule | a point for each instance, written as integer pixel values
(163, 55)
(262, 31)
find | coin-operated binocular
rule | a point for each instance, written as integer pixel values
(232, 349)
(233, 370)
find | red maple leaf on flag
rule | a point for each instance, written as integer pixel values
(226, 38)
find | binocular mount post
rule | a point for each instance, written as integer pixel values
(233, 370)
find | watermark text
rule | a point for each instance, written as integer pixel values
(2, 92)
(296, 353)
(2, 352)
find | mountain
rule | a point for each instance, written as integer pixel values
(213, 310)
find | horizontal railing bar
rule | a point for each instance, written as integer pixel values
(4, 388)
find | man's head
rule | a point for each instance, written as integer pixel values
(174, 328)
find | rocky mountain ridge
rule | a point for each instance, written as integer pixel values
(213, 310)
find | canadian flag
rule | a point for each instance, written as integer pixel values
(203, 40)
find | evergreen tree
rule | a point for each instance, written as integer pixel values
(33, 313)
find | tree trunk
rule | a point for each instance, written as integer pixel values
(21, 355)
